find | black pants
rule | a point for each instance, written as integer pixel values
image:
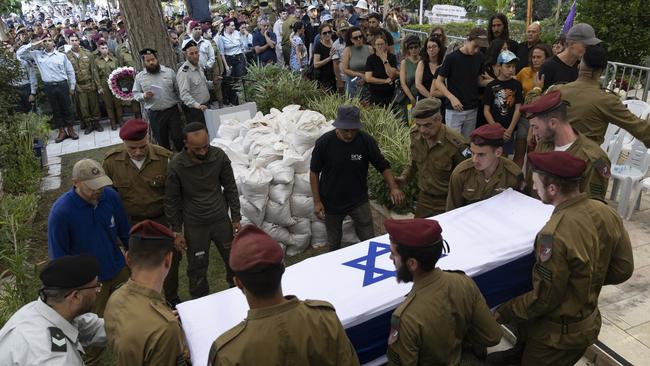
(166, 125)
(58, 95)
(193, 115)
(23, 91)
(237, 64)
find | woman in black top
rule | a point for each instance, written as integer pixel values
(381, 72)
(431, 57)
(323, 52)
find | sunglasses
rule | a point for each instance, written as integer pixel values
(356, 38)
(326, 33)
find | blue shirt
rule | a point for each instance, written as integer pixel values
(75, 227)
(269, 53)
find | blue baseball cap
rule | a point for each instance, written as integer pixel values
(506, 57)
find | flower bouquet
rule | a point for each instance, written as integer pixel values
(121, 83)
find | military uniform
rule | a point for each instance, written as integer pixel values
(301, 332)
(86, 91)
(103, 68)
(591, 110)
(433, 166)
(193, 90)
(142, 329)
(468, 185)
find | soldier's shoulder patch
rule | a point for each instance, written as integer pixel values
(180, 360)
(544, 272)
(185, 68)
(602, 167)
(58, 340)
(545, 247)
(319, 304)
(467, 153)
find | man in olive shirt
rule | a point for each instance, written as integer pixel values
(548, 120)
(199, 191)
(141, 328)
(86, 91)
(582, 247)
(278, 330)
(435, 151)
(138, 170)
(487, 173)
(443, 310)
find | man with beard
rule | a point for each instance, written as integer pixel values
(90, 218)
(549, 121)
(582, 247)
(487, 173)
(156, 87)
(199, 191)
(498, 28)
(54, 329)
(138, 170)
(444, 309)
(176, 46)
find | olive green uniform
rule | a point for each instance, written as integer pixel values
(582, 247)
(433, 165)
(592, 109)
(86, 90)
(141, 329)
(442, 310)
(125, 58)
(103, 68)
(595, 178)
(216, 73)
(468, 185)
(142, 192)
(287, 29)
(292, 333)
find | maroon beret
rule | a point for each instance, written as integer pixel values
(148, 234)
(489, 134)
(545, 103)
(558, 163)
(68, 32)
(252, 247)
(45, 35)
(414, 232)
(205, 27)
(134, 130)
(187, 19)
(194, 24)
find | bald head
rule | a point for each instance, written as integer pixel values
(533, 32)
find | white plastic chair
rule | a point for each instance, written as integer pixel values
(637, 190)
(630, 173)
(610, 134)
(616, 146)
(638, 107)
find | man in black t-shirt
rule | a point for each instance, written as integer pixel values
(339, 176)
(533, 33)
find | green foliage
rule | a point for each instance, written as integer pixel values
(10, 6)
(9, 72)
(461, 29)
(274, 87)
(623, 25)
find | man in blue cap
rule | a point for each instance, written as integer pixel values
(339, 176)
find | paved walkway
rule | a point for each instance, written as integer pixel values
(625, 308)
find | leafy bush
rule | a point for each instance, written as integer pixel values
(275, 87)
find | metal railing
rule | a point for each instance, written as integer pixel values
(425, 35)
(629, 81)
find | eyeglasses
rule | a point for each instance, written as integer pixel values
(326, 33)
(356, 38)
(97, 287)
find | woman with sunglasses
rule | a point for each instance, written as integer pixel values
(353, 62)
(408, 66)
(323, 52)
(381, 72)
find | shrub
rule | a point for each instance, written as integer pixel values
(274, 87)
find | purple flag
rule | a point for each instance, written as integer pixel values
(568, 23)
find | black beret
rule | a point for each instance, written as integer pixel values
(69, 271)
(148, 51)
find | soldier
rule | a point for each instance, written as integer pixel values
(192, 84)
(561, 312)
(418, 335)
(435, 151)
(86, 92)
(199, 191)
(138, 170)
(105, 63)
(141, 328)
(291, 331)
(206, 52)
(54, 329)
(548, 120)
(487, 173)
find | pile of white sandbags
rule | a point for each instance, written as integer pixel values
(270, 156)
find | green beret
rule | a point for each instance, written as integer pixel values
(425, 108)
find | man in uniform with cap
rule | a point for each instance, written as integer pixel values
(140, 326)
(192, 84)
(550, 125)
(291, 331)
(156, 87)
(206, 52)
(138, 170)
(339, 176)
(85, 96)
(444, 308)
(59, 80)
(54, 329)
(582, 247)
(199, 192)
(591, 109)
(487, 173)
(90, 218)
(436, 150)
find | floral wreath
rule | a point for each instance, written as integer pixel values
(120, 81)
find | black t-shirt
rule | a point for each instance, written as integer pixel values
(461, 72)
(502, 96)
(523, 53)
(376, 65)
(343, 169)
(326, 72)
(557, 72)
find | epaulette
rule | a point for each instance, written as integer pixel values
(229, 335)
(319, 304)
(511, 166)
(454, 271)
(164, 310)
(113, 151)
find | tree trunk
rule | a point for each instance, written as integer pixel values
(146, 29)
